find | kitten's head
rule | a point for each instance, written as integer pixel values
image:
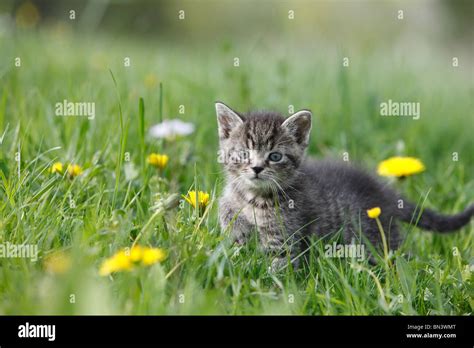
(262, 151)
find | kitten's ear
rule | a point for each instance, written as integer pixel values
(227, 120)
(299, 125)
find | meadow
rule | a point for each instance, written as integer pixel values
(119, 199)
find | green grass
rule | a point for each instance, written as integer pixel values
(100, 212)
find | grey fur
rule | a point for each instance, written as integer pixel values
(297, 197)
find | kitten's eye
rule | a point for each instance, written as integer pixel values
(275, 157)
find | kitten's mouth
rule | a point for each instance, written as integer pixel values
(258, 178)
(258, 184)
(254, 179)
(257, 181)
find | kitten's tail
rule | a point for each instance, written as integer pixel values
(431, 220)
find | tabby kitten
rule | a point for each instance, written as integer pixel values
(273, 191)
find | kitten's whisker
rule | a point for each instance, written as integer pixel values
(281, 188)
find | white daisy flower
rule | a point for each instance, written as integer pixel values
(171, 128)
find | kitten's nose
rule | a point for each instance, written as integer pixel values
(257, 169)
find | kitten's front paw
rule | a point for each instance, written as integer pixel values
(278, 264)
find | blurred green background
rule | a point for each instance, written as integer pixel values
(341, 22)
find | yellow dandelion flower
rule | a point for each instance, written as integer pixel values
(158, 160)
(57, 168)
(152, 256)
(57, 263)
(400, 166)
(128, 260)
(119, 262)
(74, 170)
(374, 212)
(136, 253)
(202, 199)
